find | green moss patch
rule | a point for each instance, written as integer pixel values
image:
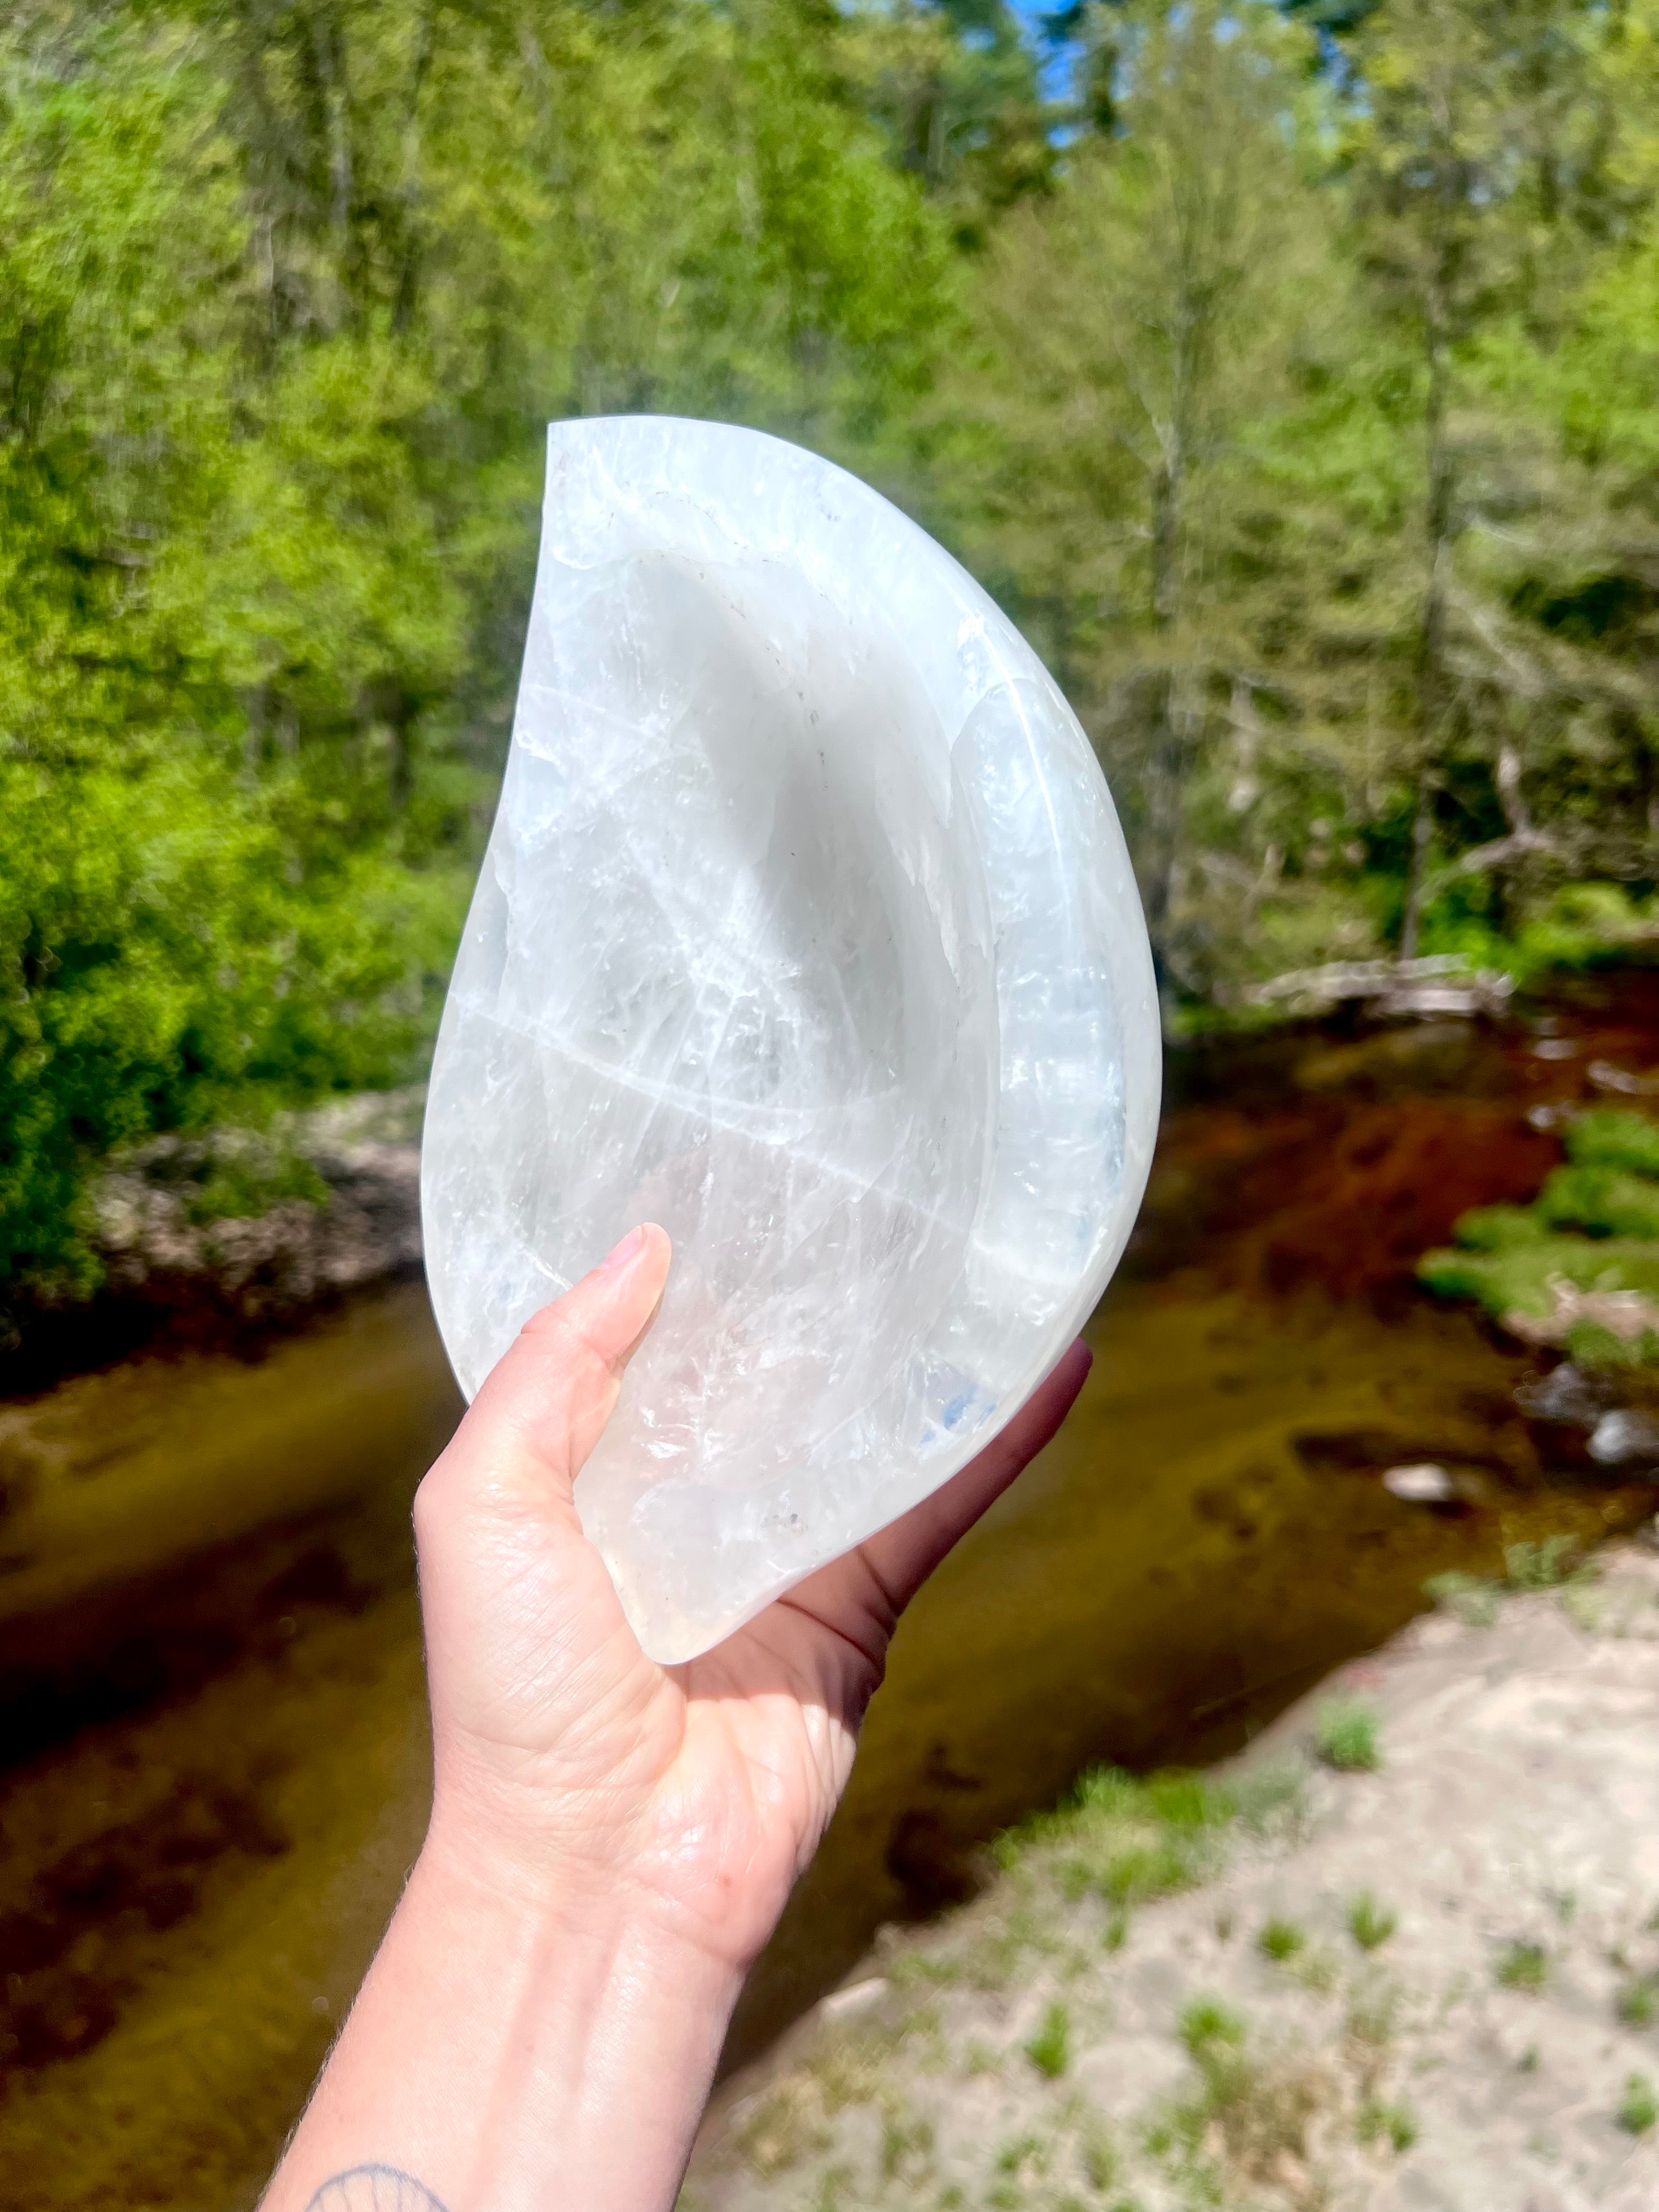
(1578, 1267)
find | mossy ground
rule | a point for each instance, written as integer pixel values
(1579, 1267)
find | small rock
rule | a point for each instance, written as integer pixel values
(1566, 1394)
(1422, 1485)
(1620, 1437)
(1605, 1077)
(856, 1997)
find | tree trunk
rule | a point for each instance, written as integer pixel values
(1431, 645)
(384, 704)
(409, 249)
(1422, 838)
(403, 765)
(329, 46)
(1168, 744)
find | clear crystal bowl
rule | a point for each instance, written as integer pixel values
(807, 930)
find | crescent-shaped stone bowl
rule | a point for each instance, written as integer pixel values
(807, 929)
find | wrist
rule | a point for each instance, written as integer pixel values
(703, 1867)
(597, 1988)
(498, 2048)
(588, 1901)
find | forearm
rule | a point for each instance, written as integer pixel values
(517, 2052)
(543, 2042)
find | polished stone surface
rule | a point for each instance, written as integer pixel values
(807, 929)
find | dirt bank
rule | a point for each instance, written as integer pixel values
(229, 1240)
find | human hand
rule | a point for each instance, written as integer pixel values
(564, 1754)
(612, 1841)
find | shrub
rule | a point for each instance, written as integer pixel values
(1602, 1201)
(1612, 1136)
(161, 968)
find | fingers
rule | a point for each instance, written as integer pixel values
(901, 1558)
(856, 1600)
(548, 1398)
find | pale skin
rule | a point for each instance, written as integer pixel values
(612, 1841)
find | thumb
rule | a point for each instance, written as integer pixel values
(545, 1402)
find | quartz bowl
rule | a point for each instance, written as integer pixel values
(807, 929)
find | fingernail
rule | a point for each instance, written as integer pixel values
(630, 1248)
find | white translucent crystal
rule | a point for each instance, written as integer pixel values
(807, 930)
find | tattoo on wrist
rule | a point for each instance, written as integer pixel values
(374, 2188)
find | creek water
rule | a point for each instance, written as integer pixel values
(211, 1708)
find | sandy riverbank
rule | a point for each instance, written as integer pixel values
(1434, 1984)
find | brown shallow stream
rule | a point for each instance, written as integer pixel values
(211, 1718)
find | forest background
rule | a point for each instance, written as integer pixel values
(1291, 373)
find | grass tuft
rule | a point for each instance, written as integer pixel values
(1369, 1924)
(1246, 2122)
(1637, 2003)
(1101, 2162)
(1640, 2109)
(1129, 1840)
(1207, 2023)
(1468, 1598)
(1524, 1967)
(1345, 1736)
(1050, 2049)
(1280, 1940)
(1025, 2151)
(1541, 1566)
(907, 2146)
(1394, 2124)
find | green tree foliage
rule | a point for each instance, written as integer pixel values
(1154, 343)
(956, 88)
(1310, 430)
(286, 296)
(1478, 169)
(1290, 370)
